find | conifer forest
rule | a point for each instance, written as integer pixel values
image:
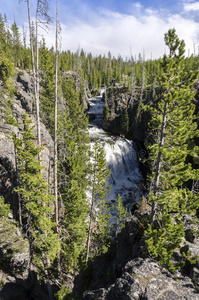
(99, 169)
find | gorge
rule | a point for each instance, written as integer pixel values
(121, 157)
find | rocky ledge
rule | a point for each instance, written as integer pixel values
(145, 279)
(127, 273)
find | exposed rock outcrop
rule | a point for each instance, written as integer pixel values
(145, 279)
(15, 281)
(14, 252)
(130, 274)
(119, 100)
(22, 103)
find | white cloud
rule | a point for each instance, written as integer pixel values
(191, 6)
(119, 32)
(137, 5)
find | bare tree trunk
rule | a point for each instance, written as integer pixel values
(19, 197)
(142, 88)
(32, 51)
(55, 142)
(91, 216)
(37, 80)
(35, 76)
(158, 164)
(154, 86)
(30, 239)
(133, 70)
(77, 70)
(89, 230)
(55, 125)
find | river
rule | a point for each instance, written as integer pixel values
(121, 158)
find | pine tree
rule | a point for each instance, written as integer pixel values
(6, 75)
(73, 161)
(121, 215)
(99, 214)
(47, 93)
(3, 34)
(37, 203)
(172, 130)
(16, 45)
(142, 87)
(125, 121)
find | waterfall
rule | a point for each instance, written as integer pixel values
(120, 155)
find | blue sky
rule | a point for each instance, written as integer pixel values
(121, 26)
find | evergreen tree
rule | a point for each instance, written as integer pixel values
(47, 93)
(120, 216)
(37, 203)
(172, 129)
(6, 74)
(6, 69)
(125, 121)
(73, 161)
(16, 45)
(99, 214)
(3, 34)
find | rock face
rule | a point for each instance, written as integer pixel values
(14, 252)
(119, 100)
(128, 274)
(25, 90)
(22, 103)
(145, 279)
(15, 282)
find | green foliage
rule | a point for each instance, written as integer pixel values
(47, 97)
(9, 119)
(73, 142)
(125, 122)
(188, 257)
(170, 78)
(4, 208)
(37, 203)
(121, 215)
(16, 45)
(6, 74)
(99, 225)
(6, 68)
(63, 294)
(106, 112)
(172, 130)
(165, 236)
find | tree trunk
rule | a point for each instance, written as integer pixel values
(91, 215)
(89, 230)
(37, 80)
(19, 197)
(55, 126)
(32, 51)
(142, 89)
(158, 164)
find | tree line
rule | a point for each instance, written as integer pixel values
(66, 227)
(62, 227)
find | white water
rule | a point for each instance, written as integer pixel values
(120, 155)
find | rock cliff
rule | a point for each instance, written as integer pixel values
(21, 103)
(127, 272)
(15, 282)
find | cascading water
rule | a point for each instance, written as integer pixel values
(120, 155)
